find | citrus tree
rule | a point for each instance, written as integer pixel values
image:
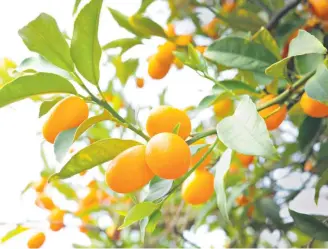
(267, 64)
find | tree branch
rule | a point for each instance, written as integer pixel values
(176, 231)
(280, 14)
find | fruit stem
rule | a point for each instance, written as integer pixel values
(287, 93)
(201, 135)
(102, 102)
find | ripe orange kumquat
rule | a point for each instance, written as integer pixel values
(198, 187)
(128, 171)
(44, 201)
(179, 64)
(308, 166)
(198, 155)
(165, 119)
(40, 185)
(66, 114)
(165, 53)
(183, 40)
(246, 160)
(201, 49)
(170, 31)
(313, 108)
(273, 115)
(319, 8)
(140, 82)
(56, 219)
(36, 241)
(156, 69)
(168, 155)
(223, 108)
(242, 200)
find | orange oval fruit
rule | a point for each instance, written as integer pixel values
(165, 119)
(66, 114)
(36, 241)
(198, 155)
(183, 40)
(179, 64)
(198, 187)
(308, 166)
(211, 28)
(44, 201)
(229, 6)
(170, 31)
(165, 53)
(273, 116)
(319, 8)
(223, 108)
(128, 171)
(40, 185)
(168, 155)
(56, 219)
(246, 160)
(313, 108)
(157, 70)
(242, 200)
(140, 82)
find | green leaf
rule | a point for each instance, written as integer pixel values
(246, 131)
(310, 225)
(86, 124)
(95, 154)
(221, 168)
(85, 47)
(63, 141)
(278, 69)
(31, 85)
(270, 210)
(154, 218)
(138, 212)
(264, 37)
(234, 85)
(46, 106)
(144, 5)
(207, 101)
(176, 128)
(76, 6)
(123, 21)
(317, 87)
(322, 181)
(12, 233)
(307, 132)
(237, 52)
(125, 69)
(125, 44)
(43, 36)
(158, 188)
(65, 189)
(308, 63)
(146, 26)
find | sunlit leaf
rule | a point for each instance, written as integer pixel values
(146, 26)
(46, 106)
(125, 44)
(158, 188)
(62, 143)
(264, 37)
(14, 232)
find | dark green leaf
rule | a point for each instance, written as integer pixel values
(31, 85)
(246, 131)
(240, 53)
(270, 210)
(138, 212)
(85, 47)
(317, 87)
(46, 106)
(93, 155)
(221, 168)
(63, 141)
(322, 181)
(158, 188)
(12, 233)
(308, 130)
(43, 36)
(310, 225)
(125, 44)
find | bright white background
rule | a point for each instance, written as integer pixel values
(20, 160)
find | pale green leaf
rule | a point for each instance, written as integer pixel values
(85, 47)
(158, 188)
(46, 106)
(14, 232)
(146, 26)
(125, 44)
(65, 189)
(76, 5)
(317, 86)
(123, 21)
(246, 131)
(62, 143)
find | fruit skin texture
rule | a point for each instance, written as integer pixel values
(320, 8)
(246, 160)
(198, 155)
(198, 187)
(165, 118)
(273, 121)
(157, 70)
(223, 108)
(67, 114)
(168, 155)
(36, 241)
(128, 171)
(312, 107)
(56, 218)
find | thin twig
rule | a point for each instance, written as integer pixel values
(176, 231)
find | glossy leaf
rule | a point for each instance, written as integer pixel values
(308, 63)
(43, 36)
(158, 188)
(221, 168)
(144, 5)
(62, 144)
(154, 218)
(93, 155)
(240, 53)
(317, 87)
(278, 69)
(76, 5)
(125, 44)
(234, 85)
(310, 225)
(138, 212)
(307, 132)
(264, 37)
(146, 26)
(31, 85)
(85, 47)
(123, 21)
(46, 106)
(14, 232)
(246, 131)
(322, 181)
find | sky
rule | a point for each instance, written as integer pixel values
(20, 127)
